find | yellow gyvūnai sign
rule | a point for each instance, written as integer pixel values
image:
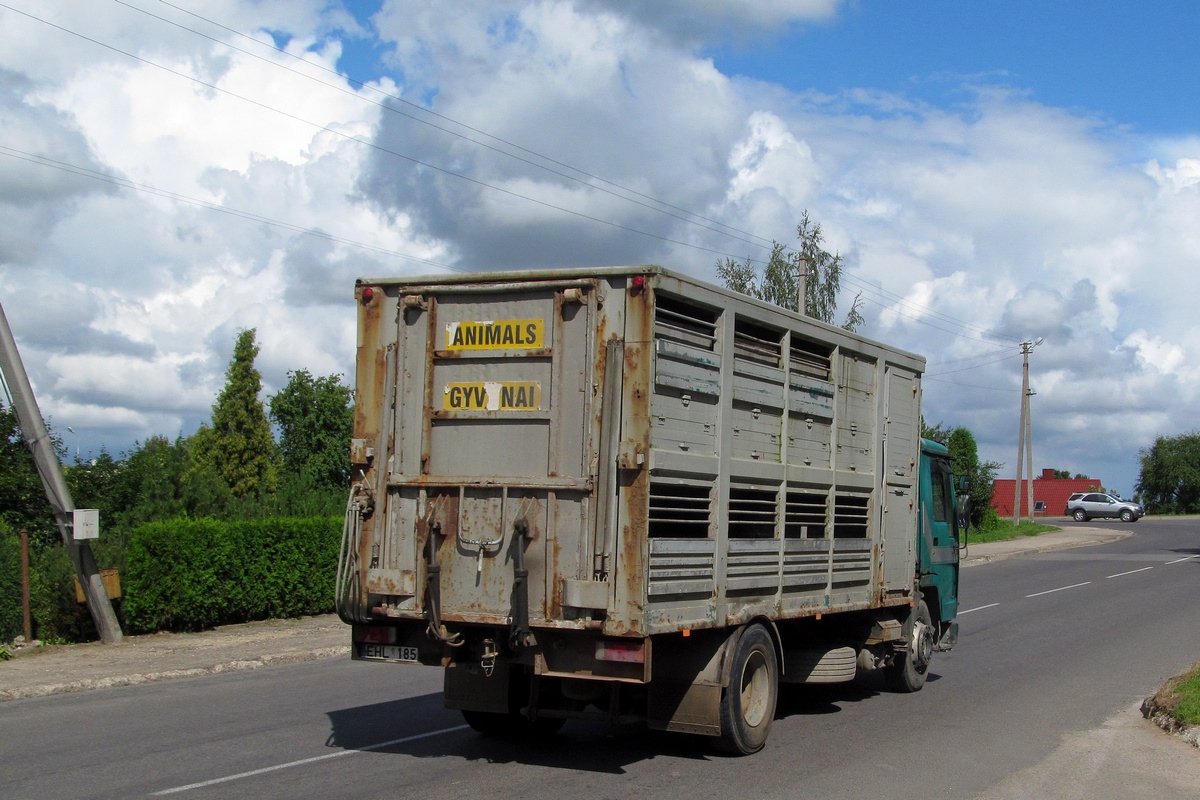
(502, 334)
(492, 396)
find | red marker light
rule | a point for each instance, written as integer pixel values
(367, 294)
(638, 281)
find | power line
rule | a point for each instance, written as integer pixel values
(971, 385)
(362, 84)
(969, 358)
(849, 276)
(398, 112)
(365, 143)
(75, 169)
(977, 366)
(929, 324)
(895, 299)
(463, 125)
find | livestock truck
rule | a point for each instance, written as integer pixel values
(622, 494)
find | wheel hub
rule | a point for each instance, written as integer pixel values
(922, 645)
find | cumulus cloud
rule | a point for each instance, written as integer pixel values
(217, 190)
(736, 19)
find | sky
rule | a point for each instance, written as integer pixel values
(174, 172)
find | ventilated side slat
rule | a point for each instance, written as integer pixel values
(851, 516)
(678, 510)
(681, 567)
(752, 513)
(804, 515)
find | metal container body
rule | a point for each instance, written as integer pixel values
(624, 451)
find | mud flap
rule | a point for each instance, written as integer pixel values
(686, 696)
(468, 688)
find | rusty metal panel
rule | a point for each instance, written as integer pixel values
(630, 556)
(659, 454)
(682, 570)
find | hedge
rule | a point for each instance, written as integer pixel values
(55, 615)
(11, 624)
(187, 574)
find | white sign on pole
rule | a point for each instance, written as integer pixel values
(87, 523)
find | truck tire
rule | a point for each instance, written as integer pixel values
(748, 702)
(908, 672)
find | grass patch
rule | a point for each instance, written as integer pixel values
(1000, 531)
(1188, 710)
(1179, 699)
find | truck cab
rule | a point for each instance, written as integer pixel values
(942, 520)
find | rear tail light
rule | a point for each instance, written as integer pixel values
(375, 634)
(623, 651)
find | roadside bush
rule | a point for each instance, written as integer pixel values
(193, 574)
(289, 566)
(177, 575)
(57, 615)
(11, 625)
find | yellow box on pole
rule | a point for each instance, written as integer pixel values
(111, 581)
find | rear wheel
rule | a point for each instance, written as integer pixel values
(910, 669)
(748, 703)
(1080, 515)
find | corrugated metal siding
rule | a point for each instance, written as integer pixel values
(746, 474)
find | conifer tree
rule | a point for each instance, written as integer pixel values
(238, 445)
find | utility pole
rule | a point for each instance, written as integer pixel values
(33, 428)
(1029, 455)
(1025, 437)
(802, 284)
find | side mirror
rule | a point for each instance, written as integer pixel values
(964, 483)
(962, 513)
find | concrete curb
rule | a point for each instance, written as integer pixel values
(1172, 727)
(87, 684)
(1002, 554)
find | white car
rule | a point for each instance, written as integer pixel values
(1086, 505)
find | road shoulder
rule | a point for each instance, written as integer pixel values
(1062, 539)
(1123, 758)
(67, 668)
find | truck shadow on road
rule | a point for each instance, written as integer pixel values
(420, 727)
(817, 699)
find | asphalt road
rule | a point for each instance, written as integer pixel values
(1051, 645)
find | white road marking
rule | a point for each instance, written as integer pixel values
(1119, 574)
(1059, 589)
(1185, 558)
(304, 761)
(978, 608)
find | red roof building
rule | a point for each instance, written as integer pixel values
(1049, 494)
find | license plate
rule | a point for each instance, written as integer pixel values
(389, 652)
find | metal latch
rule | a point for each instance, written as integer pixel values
(488, 661)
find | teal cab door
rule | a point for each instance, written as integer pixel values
(940, 537)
